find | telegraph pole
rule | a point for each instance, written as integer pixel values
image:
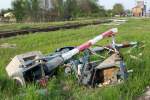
(149, 12)
(145, 8)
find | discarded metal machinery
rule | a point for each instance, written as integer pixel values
(35, 67)
(104, 71)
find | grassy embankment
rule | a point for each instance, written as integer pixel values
(22, 26)
(133, 30)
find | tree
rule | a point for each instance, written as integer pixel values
(95, 8)
(71, 9)
(58, 7)
(26, 9)
(65, 9)
(90, 8)
(109, 13)
(118, 9)
(31, 10)
(18, 9)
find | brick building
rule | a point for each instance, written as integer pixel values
(139, 9)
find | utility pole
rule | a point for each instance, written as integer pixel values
(149, 12)
(145, 8)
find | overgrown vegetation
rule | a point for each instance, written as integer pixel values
(21, 26)
(133, 30)
(36, 10)
(118, 9)
(57, 10)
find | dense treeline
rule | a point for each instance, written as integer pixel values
(30, 10)
(35, 11)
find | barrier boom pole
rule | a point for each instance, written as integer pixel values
(57, 61)
(89, 43)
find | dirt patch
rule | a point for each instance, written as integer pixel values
(7, 45)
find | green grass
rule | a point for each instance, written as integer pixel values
(133, 30)
(21, 26)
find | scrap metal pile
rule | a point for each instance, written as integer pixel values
(88, 64)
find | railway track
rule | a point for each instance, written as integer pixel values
(5, 34)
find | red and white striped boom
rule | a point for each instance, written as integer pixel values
(89, 43)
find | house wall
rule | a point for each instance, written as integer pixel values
(137, 11)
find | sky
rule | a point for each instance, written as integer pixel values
(108, 4)
(128, 4)
(5, 4)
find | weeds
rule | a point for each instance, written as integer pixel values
(133, 30)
